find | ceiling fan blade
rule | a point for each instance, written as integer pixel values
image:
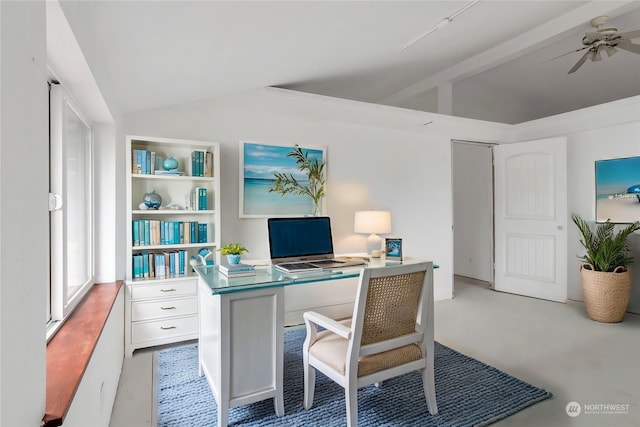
(627, 45)
(630, 34)
(569, 53)
(579, 63)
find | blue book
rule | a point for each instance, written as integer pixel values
(193, 232)
(148, 162)
(170, 233)
(136, 232)
(145, 264)
(202, 233)
(143, 161)
(194, 161)
(141, 232)
(182, 260)
(160, 271)
(137, 266)
(147, 232)
(202, 199)
(172, 263)
(176, 232)
(139, 161)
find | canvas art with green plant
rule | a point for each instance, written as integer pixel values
(606, 249)
(233, 249)
(314, 187)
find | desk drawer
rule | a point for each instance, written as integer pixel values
(148, 310)
(164, 329)
(171, 289)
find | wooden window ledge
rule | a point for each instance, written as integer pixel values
(71, 348)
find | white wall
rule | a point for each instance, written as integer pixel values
(378, 157)
(473, 210)
(602, 132)
(584, 148)
(24, 219)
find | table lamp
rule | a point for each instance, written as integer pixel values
(373, 223)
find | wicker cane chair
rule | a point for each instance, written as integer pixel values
(390, 333)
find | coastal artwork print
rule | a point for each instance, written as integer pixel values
(618, 190)
(258, 164)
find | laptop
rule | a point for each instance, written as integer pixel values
(304, 244)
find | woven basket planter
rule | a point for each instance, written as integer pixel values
(606, 294)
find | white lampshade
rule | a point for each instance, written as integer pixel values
(372, 223)
(375, 222)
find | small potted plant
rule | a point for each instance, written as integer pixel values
(233, 252)
(606, 280)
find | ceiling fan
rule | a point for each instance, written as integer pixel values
(605, 38)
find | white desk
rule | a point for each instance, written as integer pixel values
(241, 330)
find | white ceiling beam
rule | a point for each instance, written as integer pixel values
(517, 46)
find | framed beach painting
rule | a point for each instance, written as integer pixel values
(618, 190)
(259, 162)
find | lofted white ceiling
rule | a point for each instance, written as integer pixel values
(494, 59)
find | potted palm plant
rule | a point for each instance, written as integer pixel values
(233, 251)
(606, 280)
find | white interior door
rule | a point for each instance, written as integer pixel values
(531, 218)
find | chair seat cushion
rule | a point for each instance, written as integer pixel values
(332, 350)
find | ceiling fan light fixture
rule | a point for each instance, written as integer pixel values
(610, 51)
(595, 57)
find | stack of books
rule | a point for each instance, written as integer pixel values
(237, 270)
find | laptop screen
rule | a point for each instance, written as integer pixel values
(299, 238)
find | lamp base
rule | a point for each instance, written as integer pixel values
(374, 243)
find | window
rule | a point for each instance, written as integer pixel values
(70, 200)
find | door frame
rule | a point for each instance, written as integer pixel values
(491, 202)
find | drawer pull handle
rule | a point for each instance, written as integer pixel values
(168, 327)
(167, 308)
(168, 290)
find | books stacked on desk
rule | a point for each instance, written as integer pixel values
(237, 270)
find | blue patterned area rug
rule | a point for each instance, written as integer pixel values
(469, 393)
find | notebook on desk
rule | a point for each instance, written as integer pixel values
(304, 244)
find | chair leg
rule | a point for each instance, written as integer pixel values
(351, 398)
(309, 384)
(428, 384)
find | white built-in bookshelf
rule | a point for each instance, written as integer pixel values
(161, 291)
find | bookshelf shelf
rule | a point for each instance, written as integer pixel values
(171, 247)
(158, 272)
(153, 212)
(178, 178)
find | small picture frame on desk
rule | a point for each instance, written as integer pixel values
(393, 249)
